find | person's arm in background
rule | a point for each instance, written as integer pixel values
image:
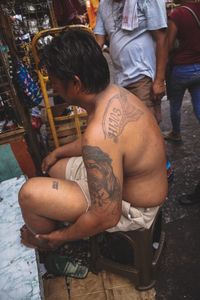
(99, 30)
(156, 17)
(171, 34)
(100, 39)
(160, 37)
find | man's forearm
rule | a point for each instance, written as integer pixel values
(69, 150)
(87, 225)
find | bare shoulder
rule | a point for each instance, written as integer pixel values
(116, 109)
(119, 109)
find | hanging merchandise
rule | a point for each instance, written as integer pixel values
(29, 87)
(36, 120)
(8, 116)
(26, 18)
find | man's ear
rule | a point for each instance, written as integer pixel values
(77, 84)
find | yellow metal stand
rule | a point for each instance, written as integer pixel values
(43, 79)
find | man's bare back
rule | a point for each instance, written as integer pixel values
(125, 121)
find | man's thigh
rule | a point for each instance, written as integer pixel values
(56, 199)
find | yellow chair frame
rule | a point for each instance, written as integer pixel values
(44, 79)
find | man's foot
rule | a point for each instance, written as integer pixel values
(172, 136)
(29, 240)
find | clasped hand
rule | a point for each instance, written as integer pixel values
(53, 240)
(158, 90)
(48, 162)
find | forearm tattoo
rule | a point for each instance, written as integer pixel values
(55, 185)
(118, 113)
(104, 186)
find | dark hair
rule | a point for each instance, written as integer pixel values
(76, 52)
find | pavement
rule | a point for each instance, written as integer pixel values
(179, 269)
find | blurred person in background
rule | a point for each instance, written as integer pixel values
(136, 30)
(184, 44)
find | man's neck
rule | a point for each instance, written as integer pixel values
(89, 102)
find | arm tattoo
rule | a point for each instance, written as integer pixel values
(104, 186)
(118, 113)
(55, 185)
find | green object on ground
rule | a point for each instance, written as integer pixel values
(9, 167)
(60, 265)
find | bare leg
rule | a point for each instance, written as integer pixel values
(44, 201)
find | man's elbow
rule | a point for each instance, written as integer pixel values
(102, 222)
(110, 222)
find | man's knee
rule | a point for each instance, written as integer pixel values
(26, 193)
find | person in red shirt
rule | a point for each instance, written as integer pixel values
(184, 39)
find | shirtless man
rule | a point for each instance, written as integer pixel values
(112, 178)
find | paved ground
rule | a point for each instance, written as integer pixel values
(179, 272)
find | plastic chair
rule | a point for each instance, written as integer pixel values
(144, 260)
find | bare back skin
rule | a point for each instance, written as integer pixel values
(124, 120)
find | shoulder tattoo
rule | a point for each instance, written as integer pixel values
(104, 186)
(118, 113)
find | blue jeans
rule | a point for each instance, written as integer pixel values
(183, 77)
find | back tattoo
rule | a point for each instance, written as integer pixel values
(118, 113)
